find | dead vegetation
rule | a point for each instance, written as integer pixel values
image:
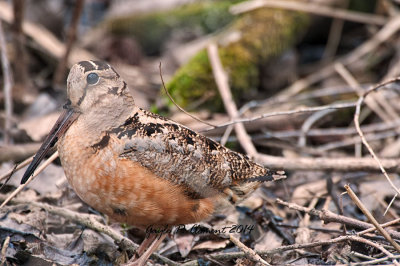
(332, 125)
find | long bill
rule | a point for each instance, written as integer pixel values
(60, 127)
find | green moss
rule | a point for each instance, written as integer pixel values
(183, 88)
(151, 30)
(265, 34)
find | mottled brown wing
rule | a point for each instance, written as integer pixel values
(180, 155)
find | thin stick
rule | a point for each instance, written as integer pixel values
(20, 62)
(382, 36)
(329, 217)
(365, 142)
(16, 168)
(251, 254)
(356, 140)
(376, 261)
(334, 36)
(328, 164)
(300, 110)
(308, 123)
(371, 102)
(17, 152)
(7, 87)
(372, 229)
(344, 131)
(4, 250)
(180, 108)
(221, 79)
(71, 38)
(370, 217)
(38, 171)
(316, 9)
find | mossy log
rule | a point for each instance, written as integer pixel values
(249, 43)
(152, 30)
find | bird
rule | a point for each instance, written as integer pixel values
(138, 167)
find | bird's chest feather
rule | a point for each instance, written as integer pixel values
(90, 167)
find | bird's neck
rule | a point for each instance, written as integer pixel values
(104, 117)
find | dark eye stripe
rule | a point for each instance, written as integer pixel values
(83, 96)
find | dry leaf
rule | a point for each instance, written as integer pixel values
(212, 244)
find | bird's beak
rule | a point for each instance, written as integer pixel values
(63, 123)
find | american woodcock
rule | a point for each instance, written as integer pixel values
(138, 167)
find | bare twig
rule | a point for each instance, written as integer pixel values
(317, 9)
(357, 140)
(20, 64)
(4, 250)
(324, 164)
(370, 217)
(309, 122)
(335, 33)
(71, 38)
(16, 168)
(221, 79)
(377, 261)
(371, 102)
(17, 152)
(316, 132)
(251, 254)
(365, 142)
(329, 217)
(177, 105)
(388, 30)
(300, 110)
(38, 170)
(7, 87)
(372, 229)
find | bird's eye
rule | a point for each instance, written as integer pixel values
(92, 78)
